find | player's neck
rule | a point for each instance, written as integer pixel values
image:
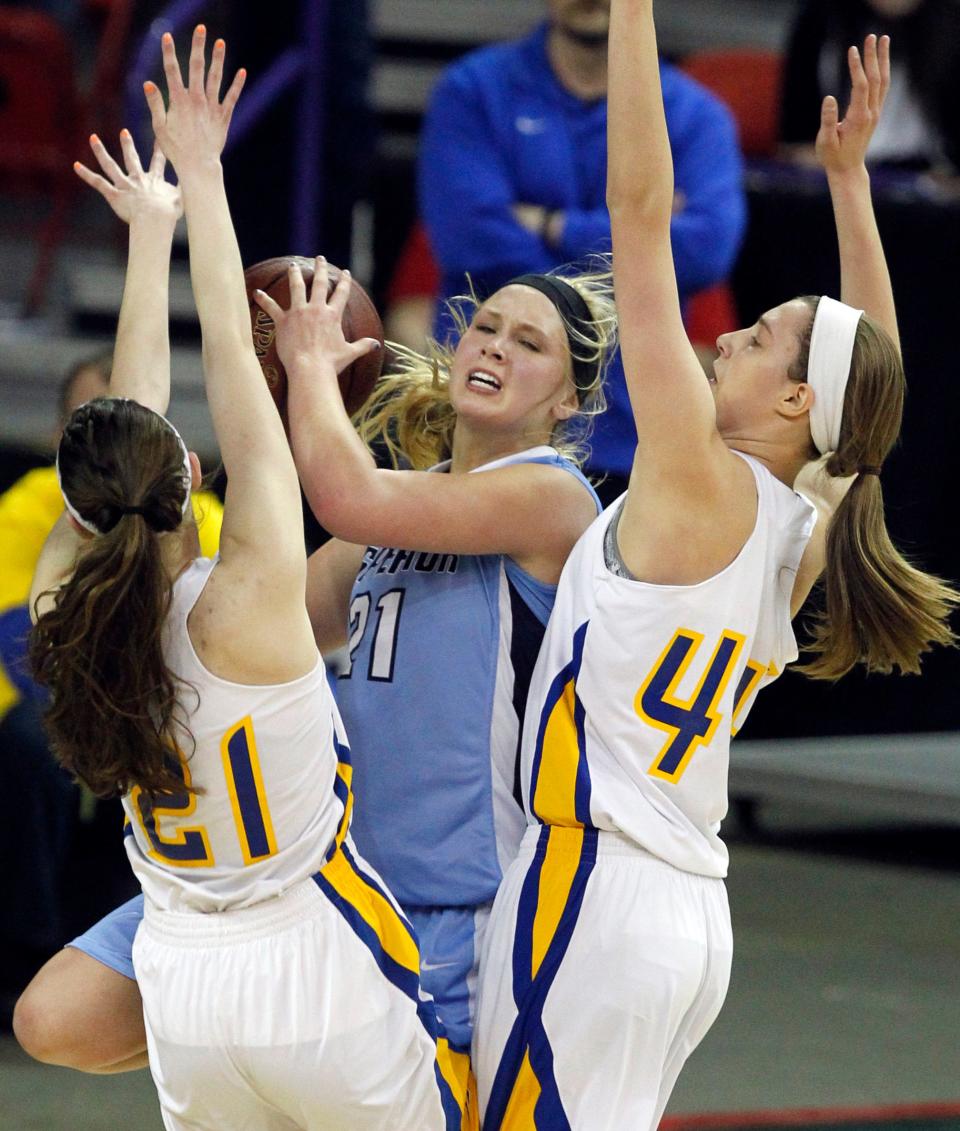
(473, 449)
(783, 460)
(579, 65)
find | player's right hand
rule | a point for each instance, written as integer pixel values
(192, 128)
(842, 145)
(132, 192)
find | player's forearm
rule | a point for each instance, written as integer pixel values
(639, 186)
(216, 268)
(141, 360)
(56, 561)
(333, 463)
(246, 425)
(864, 275)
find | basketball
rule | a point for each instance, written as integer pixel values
(360, 320)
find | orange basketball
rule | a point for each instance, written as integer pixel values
(360, 320)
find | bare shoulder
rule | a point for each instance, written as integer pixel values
(247, 627)
(682, 526)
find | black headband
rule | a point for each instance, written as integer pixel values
(575, 314)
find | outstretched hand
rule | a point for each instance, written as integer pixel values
(312, 328)
(132, 192)
(193, 126)
(842, 145)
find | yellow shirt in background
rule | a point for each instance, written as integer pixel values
(28, 511)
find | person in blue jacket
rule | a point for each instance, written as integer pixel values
(512, 176)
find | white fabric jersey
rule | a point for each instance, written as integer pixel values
(639, 687)
(266, 758)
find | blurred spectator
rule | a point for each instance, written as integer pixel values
(39, 800)
(512, 176)
(920, 128)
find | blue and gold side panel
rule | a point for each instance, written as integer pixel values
(391, 940)
(560, 774)
(343, 789)
(525, 1095)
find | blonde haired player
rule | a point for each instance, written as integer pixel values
(609, 944)
(280, 982)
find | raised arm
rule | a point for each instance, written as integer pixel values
(262, 509)
(150, 207)
(670, 398)
(864, 276)
(141, 359)
(331, 572)
(841, 149)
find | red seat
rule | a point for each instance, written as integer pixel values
(39, 122)
(748, 81)
(44, 119)
(38, 97)
(711, 313)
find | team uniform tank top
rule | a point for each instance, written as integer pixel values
(273, 764)
(640, 687)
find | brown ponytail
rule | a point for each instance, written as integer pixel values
(881, 611)
(113, 701)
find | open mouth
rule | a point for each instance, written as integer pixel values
(479, 379)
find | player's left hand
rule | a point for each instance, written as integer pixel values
(193, 127)
(311, 329)
(132, 192)
(842, 145)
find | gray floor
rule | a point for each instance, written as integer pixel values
(845, 989)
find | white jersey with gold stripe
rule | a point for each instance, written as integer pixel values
(273, 766)
(639, 688)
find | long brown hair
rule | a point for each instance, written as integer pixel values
(113, 700)
(410, 413)
(880, 611)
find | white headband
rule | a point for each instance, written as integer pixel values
(828, 370)
(187, 469)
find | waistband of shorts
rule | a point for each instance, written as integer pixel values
(235, 924)
(602, 842)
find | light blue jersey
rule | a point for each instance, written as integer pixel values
(441, 651)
